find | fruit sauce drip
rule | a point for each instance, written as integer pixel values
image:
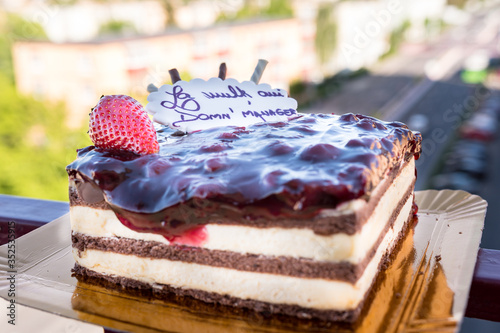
(268, 170)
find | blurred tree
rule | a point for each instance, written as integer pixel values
(17, 28)
(249, 9)
(117, 27)
(326, 33)
(279, 8)
(457, 3)
(170, 7)
(62, 2)
(12, 28)
(396, 38)
(253, 9)
(6, 58)
(35, 146)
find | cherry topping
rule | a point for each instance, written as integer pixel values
(320, 152)
(290, 170)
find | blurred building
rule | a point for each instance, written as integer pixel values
(81, 20)
(367, 28)
(77, 66)
(79, 72)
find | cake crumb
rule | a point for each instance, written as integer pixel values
(398, 295)
(459, 232)
(438, 257)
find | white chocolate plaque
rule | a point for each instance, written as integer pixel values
(199, 104)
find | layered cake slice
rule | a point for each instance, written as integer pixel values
(295, 217)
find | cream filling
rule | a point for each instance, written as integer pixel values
(272, 288)
(293, 242)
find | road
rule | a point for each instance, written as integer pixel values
(423, 79)
(438, 105)
(399, 81)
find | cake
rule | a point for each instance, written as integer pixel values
(294, 217)
(99, 301)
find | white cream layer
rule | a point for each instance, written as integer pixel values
(294, 242)
(277, 289)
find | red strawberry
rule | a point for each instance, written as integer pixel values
(120, 122)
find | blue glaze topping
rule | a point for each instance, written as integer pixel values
(312, 162)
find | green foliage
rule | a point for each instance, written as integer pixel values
(62, 2)
(279, 8)
(334, 83)
(117, 27)
(35, 146)
(169, 8)
(434, 26)
(297, 88)
(6, 58)
(457, 3)
(396, 38)
(307, 93)
(326, 33)
(251, 9)
(15, 28)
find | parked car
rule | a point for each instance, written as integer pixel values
(475, 167)
(456, 181)
(480, 126)
(470, 148)
(469, 157)
(490, 111)
(418, 122)
(492, 103)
